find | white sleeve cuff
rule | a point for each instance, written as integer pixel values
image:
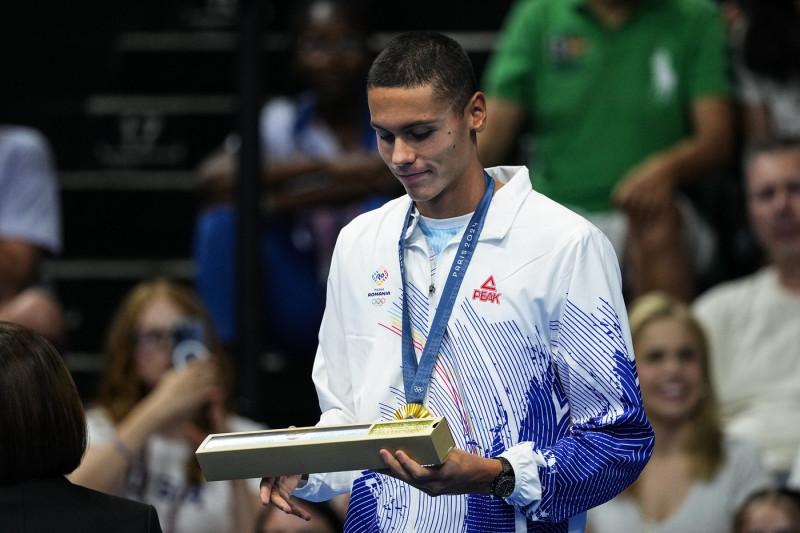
(322, 487)
(527, 486)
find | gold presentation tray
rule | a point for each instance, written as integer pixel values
(310, 450)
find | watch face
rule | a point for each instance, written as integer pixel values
(504, 486)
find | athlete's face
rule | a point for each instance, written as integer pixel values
(429, 147)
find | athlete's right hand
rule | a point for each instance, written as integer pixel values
(278, 491)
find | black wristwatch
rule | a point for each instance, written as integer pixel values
(503, 484)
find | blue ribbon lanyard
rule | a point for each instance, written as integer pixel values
(416, 377)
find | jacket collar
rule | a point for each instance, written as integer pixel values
(506, 202)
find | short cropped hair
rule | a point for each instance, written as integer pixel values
(355, 13)
(42, 421)
(416, 59)
(769, 144)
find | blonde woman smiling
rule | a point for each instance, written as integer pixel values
(696, 478)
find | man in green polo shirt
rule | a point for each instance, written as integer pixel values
(628, 99)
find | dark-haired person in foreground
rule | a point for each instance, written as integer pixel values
(42, 439)
(529, 358)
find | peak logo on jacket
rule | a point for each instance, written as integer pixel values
(487, 292)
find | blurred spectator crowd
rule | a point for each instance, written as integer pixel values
(674, 126)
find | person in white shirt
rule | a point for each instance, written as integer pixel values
(30, 231)
(155, 405)
(753, 323)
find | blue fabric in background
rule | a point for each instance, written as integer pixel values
(291, 297)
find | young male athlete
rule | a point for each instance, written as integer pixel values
(486, 303)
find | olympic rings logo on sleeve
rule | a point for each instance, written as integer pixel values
(378, 302)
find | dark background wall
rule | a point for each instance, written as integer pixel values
(56, 54)
(132, 94)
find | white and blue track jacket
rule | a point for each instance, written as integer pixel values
(536, 364)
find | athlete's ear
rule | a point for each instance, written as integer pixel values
(476, 108)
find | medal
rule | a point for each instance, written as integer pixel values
(417, 375)
(412, 410)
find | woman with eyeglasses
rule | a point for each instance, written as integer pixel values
(156, 403)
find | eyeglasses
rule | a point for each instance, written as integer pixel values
(151, 339)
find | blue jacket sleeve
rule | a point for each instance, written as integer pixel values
(609, 439)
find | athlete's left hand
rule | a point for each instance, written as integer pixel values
(460, 473)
